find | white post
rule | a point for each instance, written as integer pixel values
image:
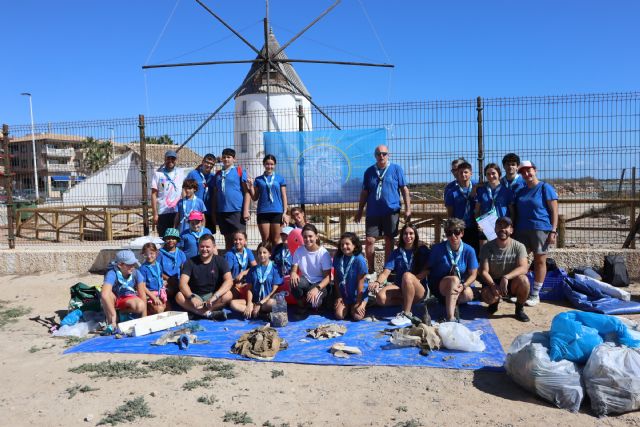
(33, 146)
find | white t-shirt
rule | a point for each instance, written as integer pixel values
(312, 264)
(169, 186)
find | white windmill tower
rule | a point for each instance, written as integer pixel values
(268, 103)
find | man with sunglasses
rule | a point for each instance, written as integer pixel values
(381, 188)
(503, 269)
(453, 268)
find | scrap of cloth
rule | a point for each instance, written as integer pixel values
(262, 343)
(327, 331)
(422, 336)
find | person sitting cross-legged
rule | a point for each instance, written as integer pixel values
(503, 269)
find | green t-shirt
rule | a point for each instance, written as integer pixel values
(502, 261)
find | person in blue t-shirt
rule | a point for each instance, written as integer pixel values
(263, 283)
(511, 179)
(203, 176)
(453, 268)
(492, 197)
(281, 255)
(381, 188)
(536, 214)
(270, 191)
(122, 290)
(189, 239)
(460, 203)
(171, 259)
(188, 204)
(350, 269)
(231, 197)
(409, 264)
(240, 260)
(154, 285)
(454, 171)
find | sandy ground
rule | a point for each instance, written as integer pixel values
(34, 383)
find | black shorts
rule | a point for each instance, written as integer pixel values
(165, 221)
(270, 218)
(230, 222)
(384, 225)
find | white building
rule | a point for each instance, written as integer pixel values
(251, 110)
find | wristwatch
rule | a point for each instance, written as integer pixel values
(192, 296)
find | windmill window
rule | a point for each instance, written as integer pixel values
(244, 108)
(243, 143)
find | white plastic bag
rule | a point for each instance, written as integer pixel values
(458, 337)
(529, 365)
(80, 330)
(605, 287)
(612, 379)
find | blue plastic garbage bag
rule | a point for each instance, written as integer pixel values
(589, 298)
(575, 334)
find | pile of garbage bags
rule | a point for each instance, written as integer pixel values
(590, 353)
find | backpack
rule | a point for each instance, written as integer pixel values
(85, 297)
(615, 271)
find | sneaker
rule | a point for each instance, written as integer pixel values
(532, 301)
(513, 299)
(108, 331)
(400, 320)
(492, 308)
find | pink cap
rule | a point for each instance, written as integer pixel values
(196, 216)
(526, 164)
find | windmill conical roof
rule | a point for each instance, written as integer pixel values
(278, 84)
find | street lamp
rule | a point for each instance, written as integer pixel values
(33, 146)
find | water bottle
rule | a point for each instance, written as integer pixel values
(72, 318)
(279, 317)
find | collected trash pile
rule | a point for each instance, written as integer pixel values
(450, 335)
(583, 352)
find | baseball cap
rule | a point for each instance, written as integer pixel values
(526, 164)
(196, 215)
(126, 257)
(171, 233)
(504, 220)
(286, 230)
(171, 153)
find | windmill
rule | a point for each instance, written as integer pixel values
(269, 68)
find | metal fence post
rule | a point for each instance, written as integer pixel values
(479, 108)
(632, 224)
(143, 174)
(8, 186)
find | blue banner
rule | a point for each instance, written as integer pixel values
(324, 166)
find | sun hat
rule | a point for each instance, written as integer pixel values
(126, 257)
(196, 216)
(526, 164)
(171, 233)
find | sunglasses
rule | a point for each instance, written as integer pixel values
(457, 232)
(381, 153)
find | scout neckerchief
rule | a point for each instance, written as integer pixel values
(173, 256)
(155, 271)
(508, 184)
(262, 274)
(166, 173)
(224, 174)
(122, 282)
(455, 259)
(197, 234)
(345, 271)
(269, 185)
(286, 264)
(204, 182)
(467, 196)
(492, 196)
(185, 213)
(243, 258)
(381, 174)
(408, 262)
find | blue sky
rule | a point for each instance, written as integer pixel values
(82, 60)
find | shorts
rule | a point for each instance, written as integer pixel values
(121, 301)
(230, 222)
(435, 290)
(204, 297)
(350, 296)
(305, 286)
(534, 240)
(162, 294)
(384, 225)
(165, 221)
(270, 218)
(209, 221)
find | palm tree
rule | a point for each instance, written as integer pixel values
(97, 154)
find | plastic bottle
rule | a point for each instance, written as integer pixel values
(72, 318)
(279, 315)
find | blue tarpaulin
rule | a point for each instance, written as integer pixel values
(324, 166)
(589, 298)
(367, 336)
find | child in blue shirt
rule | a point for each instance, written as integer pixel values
(349, 282)
(460, 203)
(188, 204)
(189, 239)
(240, 260)
(151, 271)
(281, 256)
(171, 259)
(263, 283)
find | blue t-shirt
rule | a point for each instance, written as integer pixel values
(515, 184)
(265, 205)
(125, 287)
(282, 258)
(349, 289)
(463, 203)
(189, 242)
(204, 184)
(502, 198)
(397, 264)
(440, 262)
(234, 262)
(171, 262)
(392, 181)
(453, 184)
(229, 200)
(185, 206)
(152, 275)
(531, 207)
(261, 290)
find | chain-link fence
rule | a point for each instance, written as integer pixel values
(90, 174)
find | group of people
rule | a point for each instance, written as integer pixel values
(189, 273)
